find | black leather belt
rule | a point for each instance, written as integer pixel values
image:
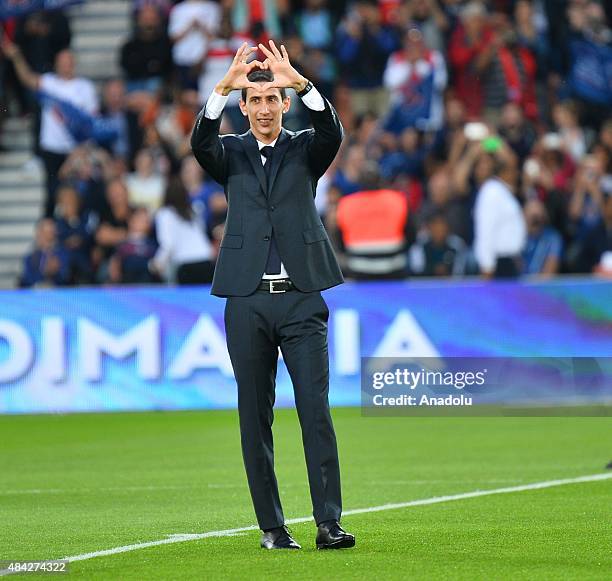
(279, 285)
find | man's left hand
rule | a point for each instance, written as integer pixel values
(285, 76)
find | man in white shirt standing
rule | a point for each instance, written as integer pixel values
(56, 141)
(500, 230)
(191, 25)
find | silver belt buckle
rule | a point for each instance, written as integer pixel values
(272, 288)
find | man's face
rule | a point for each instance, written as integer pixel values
(140, 222)
(148, 20)
(117, 194)
(265, 111)
(414, 45)
(439, 188)
(64, 64)
(45, 234)
(114, 95)
(438, 229)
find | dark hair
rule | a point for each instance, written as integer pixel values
(262, 76)
(369, 175)
(437, 214)
(177, 197)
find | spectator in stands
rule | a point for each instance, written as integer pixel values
(259, 19)
(41, 36)
(168, 131)
(587, 200)
(48, 264)
(207, 197)
(508, 72)
(112, 229)
(131, 262)
(346, 180)
(437, 252)
(470, 50)
(406, 159)
(145, 185)
(447, 148)
(374, 228)
(164, 156)
(565, 118)
(473, 167)
(363, 45)
(192, 26)
(548, 175)
(557, 166)
(221, 51)
(516, 130)
(87, 169)
(499, 224)
(74, 233)
(146, 58)
(532, 33)
(115, 113)
(590, 48)
(162, 6)
(542, 252)
(596, 252)
(430, 19)
(416, 78)
(442, 198)
(185, 253)
(315, 26)
(192, 176)
(365, 132)
(56, 141)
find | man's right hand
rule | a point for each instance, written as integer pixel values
(9, 48)
(236, 76)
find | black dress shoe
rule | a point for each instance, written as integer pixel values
(331, 535)
(278, 538)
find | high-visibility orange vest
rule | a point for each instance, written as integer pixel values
(372, 220)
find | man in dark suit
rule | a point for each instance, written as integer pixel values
(274, 260)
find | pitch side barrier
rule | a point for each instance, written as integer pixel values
(162, 348)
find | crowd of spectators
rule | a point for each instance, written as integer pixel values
(479, 136)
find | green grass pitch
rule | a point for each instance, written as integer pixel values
(79, 483)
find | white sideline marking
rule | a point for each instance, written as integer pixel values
(11, 492)
(181, 538)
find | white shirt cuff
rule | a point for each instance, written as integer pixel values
(313, 100)
(215, 105)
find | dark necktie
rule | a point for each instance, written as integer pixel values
(273, 265)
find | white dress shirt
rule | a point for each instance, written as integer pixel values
(214, 107)
(499, 224)
(216, 103)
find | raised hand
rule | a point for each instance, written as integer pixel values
(236, 76)
(8, 48)
(285, 76)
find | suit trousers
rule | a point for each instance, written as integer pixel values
(256, 326)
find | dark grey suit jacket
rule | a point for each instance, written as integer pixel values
(286, 204)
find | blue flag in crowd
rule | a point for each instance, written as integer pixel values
(591, 71)
(81, 125)
(10, 8)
